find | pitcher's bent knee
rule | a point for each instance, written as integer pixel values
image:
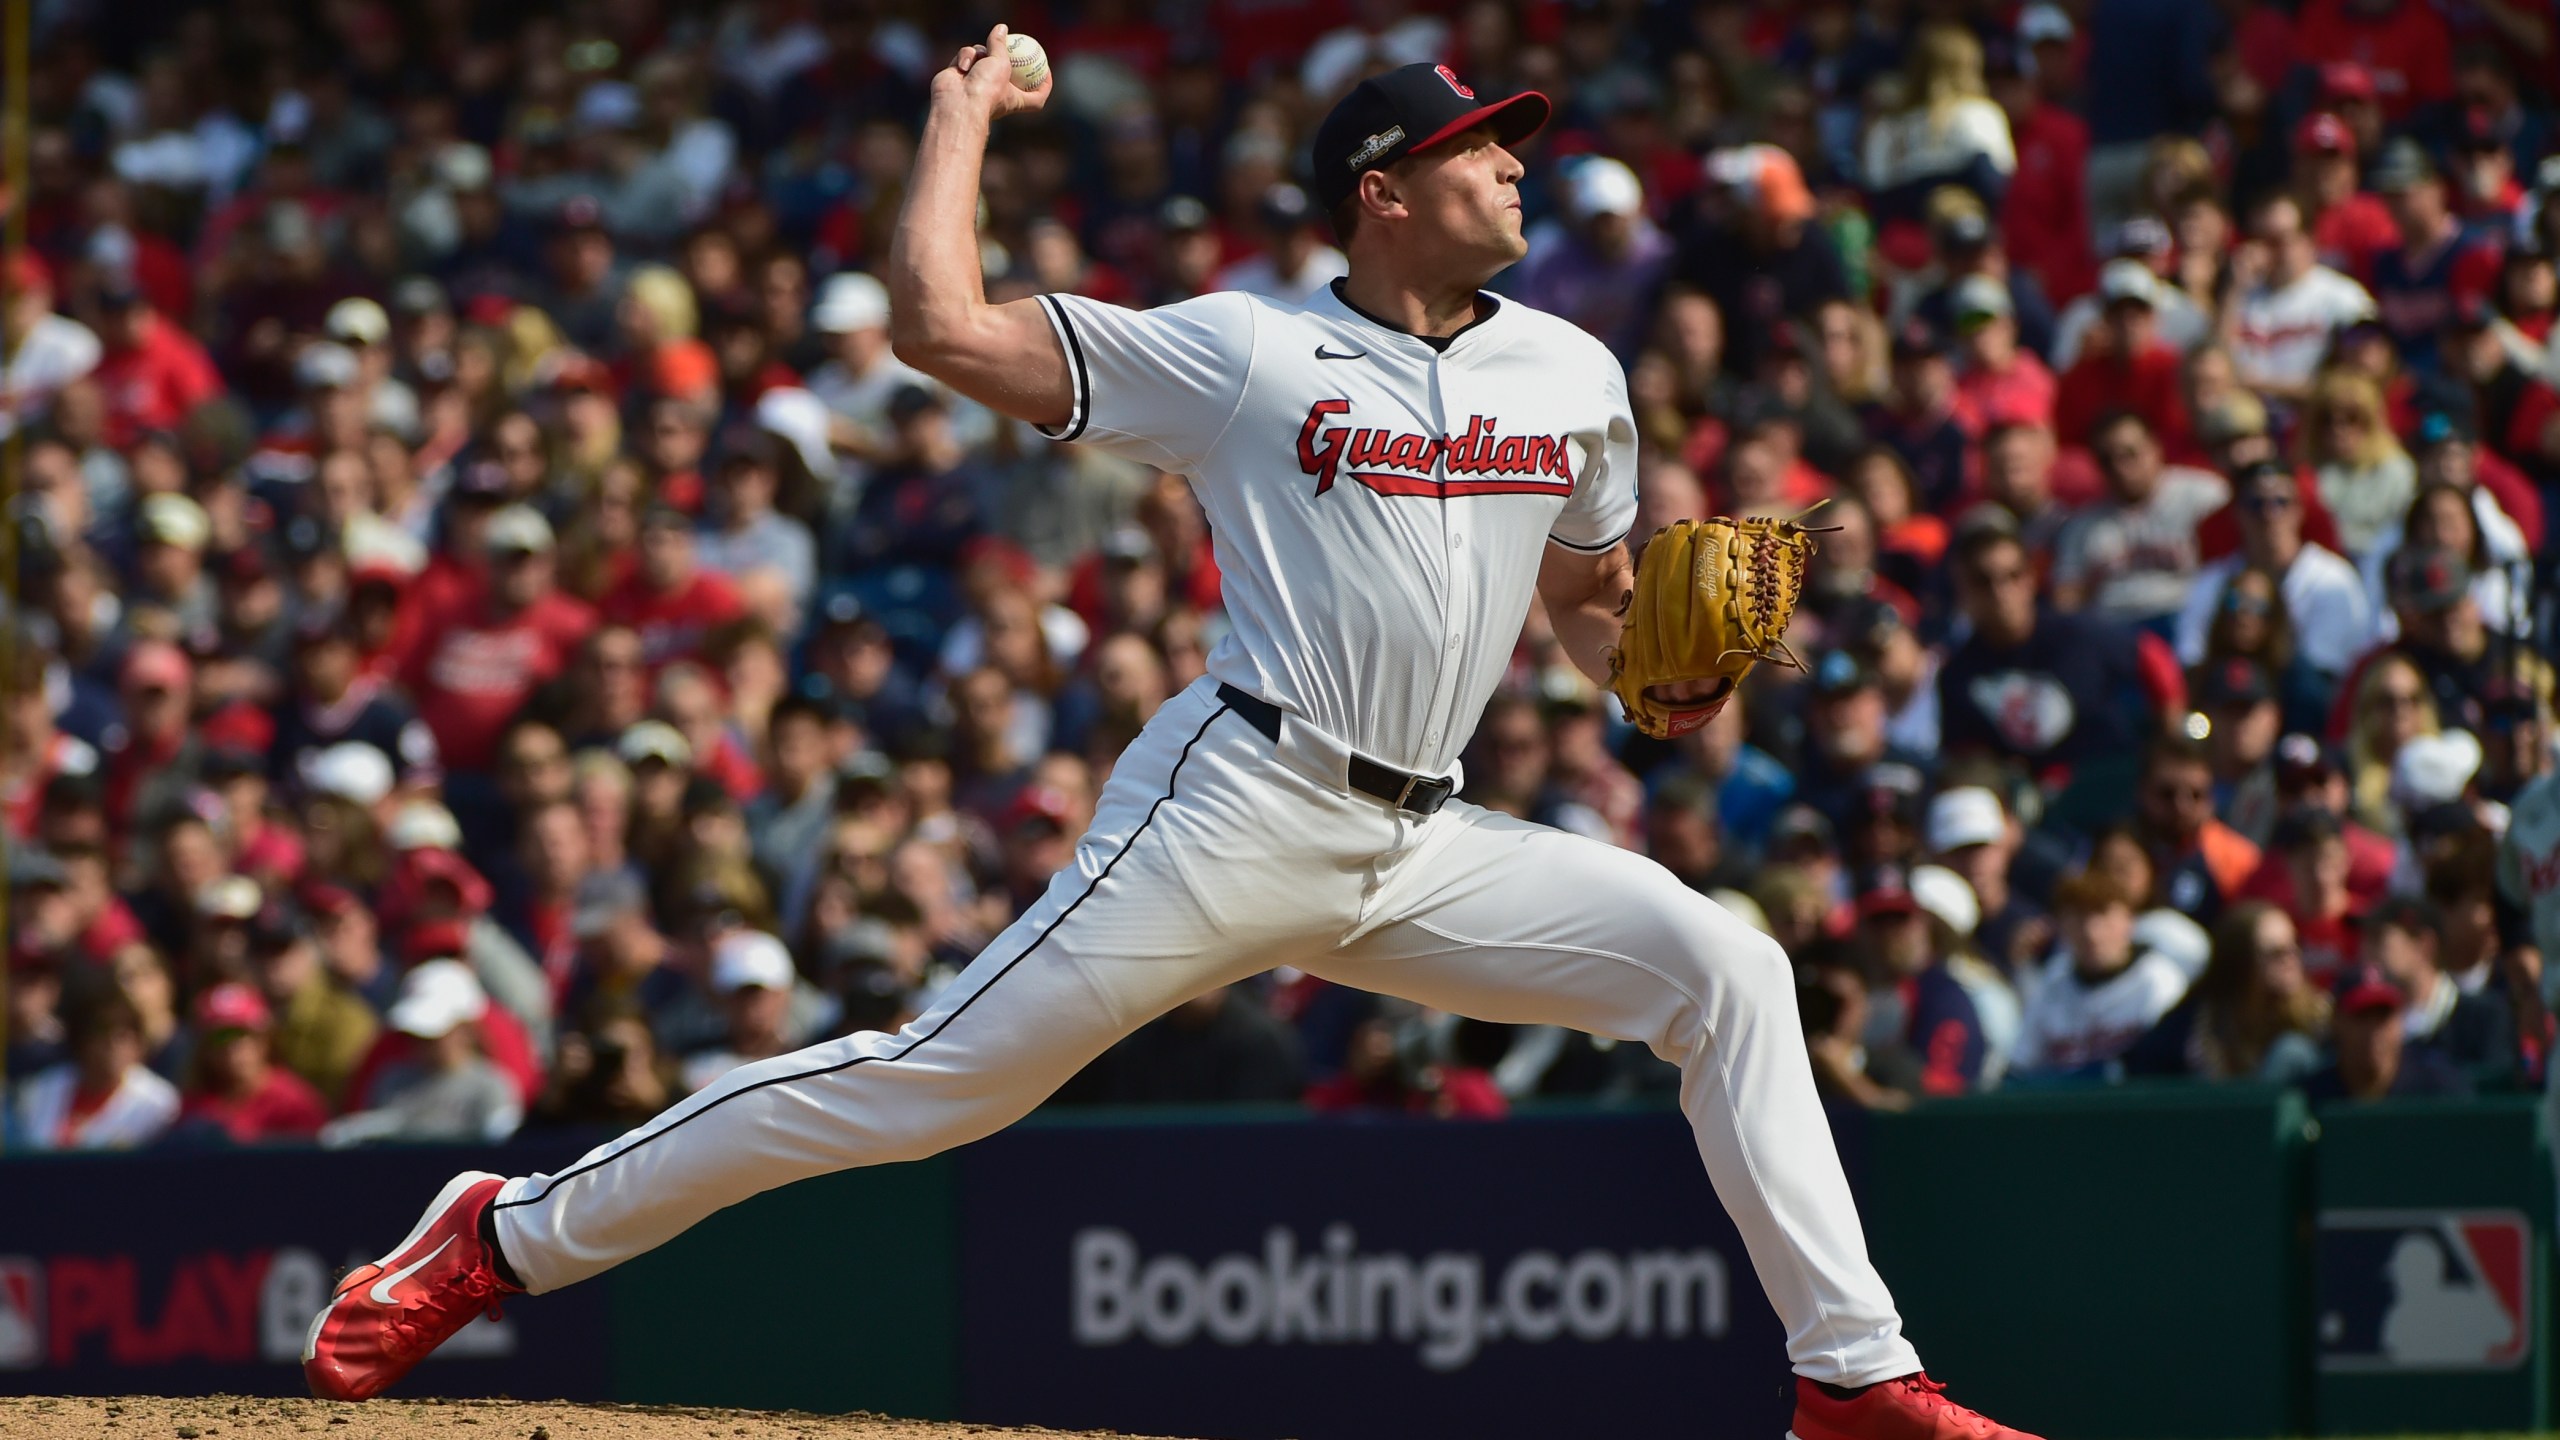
(1760, 969)
(1718, 953)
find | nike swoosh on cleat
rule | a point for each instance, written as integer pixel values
(1323, 354)
(381, 1291)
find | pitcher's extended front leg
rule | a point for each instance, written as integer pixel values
(1518, 923)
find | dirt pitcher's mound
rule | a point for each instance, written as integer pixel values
(237, 1417)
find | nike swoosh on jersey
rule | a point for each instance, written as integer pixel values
(1324, 354)
(381, 1291)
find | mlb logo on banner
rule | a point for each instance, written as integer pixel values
(2425, 1290)
(21, 1313)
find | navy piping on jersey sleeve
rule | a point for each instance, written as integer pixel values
(1079, 377)
(1602, 548)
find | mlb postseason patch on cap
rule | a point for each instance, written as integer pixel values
(1376, 145)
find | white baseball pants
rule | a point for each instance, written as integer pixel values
(1211, 859)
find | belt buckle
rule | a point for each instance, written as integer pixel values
(1411, 783)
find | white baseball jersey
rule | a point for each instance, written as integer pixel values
(2280, 335)
(1380, 507)
(2070, 1022)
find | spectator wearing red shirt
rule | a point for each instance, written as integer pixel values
(107, 923)
(34, 749)
(238, 1089)
(2349, 227)
(477, 663)
(1375, 1077)
(2126, 365)
(2044, 217)
(2486, 192)
(158, 687)
(152, 371)
(2312, 846)
(459, 568)
(2310, 776)
(670, 599)
(1997, 381)
(2403, 44)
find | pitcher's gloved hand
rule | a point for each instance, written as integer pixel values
(1712, 598)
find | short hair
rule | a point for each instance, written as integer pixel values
(101, 1011)
(2465, 871)
(1974, 543)
(2411, 914)
(2113, 416)
(2087, 891)
(1346, 216)
(1346, 219)
(799, 707)
(2175, 750)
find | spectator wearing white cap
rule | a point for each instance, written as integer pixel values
(446, 1089)
(2128, 363)
(2182, 323)
(45, 351)
(350, 770)
(364, 328)
(1599, 265)
(754, 983)
(1946, 896)
(1971, 834)
(334, 414)
(853, 314)
(172, 532)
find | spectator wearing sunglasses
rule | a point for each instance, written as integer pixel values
(2324, 599)
(2043, 687)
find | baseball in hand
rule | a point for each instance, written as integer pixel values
(1030, 62)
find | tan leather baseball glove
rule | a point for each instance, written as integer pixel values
(1712, 598)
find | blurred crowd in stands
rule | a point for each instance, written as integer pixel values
(500, 639)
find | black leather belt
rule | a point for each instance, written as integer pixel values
(1421, 794)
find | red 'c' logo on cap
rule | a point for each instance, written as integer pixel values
(1452, 77)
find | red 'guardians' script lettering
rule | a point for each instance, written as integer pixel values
(1400, 462)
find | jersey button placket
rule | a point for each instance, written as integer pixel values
(1454, 601)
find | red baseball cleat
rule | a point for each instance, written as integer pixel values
(388, 1316)
(1913, 1407)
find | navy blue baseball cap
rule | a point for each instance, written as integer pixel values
(1406, 111)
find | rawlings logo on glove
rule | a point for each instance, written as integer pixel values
(1712, 598)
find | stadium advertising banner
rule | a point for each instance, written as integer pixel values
(1350, 1280)
(197, 1273)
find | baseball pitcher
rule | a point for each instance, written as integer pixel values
(1391, 471)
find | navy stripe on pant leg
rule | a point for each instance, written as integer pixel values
(921, 1041)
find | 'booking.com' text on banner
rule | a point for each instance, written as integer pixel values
(1447, 1305)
